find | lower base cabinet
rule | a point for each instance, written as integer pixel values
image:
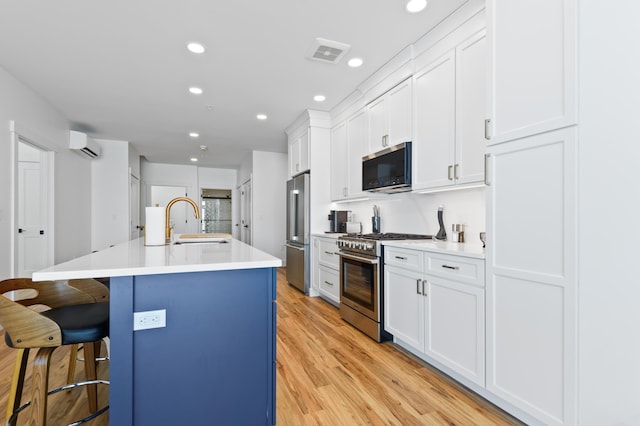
(326, 269)
(439, 313)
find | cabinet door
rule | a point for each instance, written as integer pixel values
(531, 72)
(356, 149)
(294, 156)
(455, 326)
(378, 124)
(329, 284)
(304, 151)
(470, 109)
(400, 113)
(434, 147)
(404, 305)
(531, 288)
(339, 161)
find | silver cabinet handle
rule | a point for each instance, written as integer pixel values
(401, 257)
(487, 123)
(455, 171)
(329, 253)
(328, 283)
(451, 267)
(486, 169)
(385, 140)
(449, 172)
(418, 285)
(424, 293)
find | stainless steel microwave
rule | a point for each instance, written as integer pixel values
(388, 170)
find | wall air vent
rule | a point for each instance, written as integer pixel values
(84, 145)
(328, 51)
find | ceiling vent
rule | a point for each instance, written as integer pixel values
(83, 145)
(328, 51)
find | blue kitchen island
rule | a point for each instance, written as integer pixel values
(214, 360)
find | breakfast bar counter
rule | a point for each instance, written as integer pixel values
(213, 361)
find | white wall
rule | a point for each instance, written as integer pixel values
(110, 195)
(72, 213)
(191, 177)
(609, 152)
(418, 213)
(269, 202)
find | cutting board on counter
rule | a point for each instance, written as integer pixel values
(202, 238)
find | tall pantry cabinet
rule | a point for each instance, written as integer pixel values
(531, 286)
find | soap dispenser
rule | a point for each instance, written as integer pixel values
(442, 234)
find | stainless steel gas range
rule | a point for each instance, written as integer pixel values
(361, 286)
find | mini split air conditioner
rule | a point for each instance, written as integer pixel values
(84, 145)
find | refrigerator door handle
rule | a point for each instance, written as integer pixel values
(293, 215)
(295, 247)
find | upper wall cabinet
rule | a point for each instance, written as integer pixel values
(531, 72)
(348, 145)
(449, 106)
(299, 153)
(390, 117)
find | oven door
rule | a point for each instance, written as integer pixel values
(359, 279)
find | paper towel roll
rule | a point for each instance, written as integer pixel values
(154, 226)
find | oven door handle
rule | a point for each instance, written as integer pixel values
(359, 259)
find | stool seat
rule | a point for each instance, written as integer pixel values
(78, 323)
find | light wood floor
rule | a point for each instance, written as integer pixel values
(328, 373)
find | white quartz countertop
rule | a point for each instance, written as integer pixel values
(460, 249)
(134, 258)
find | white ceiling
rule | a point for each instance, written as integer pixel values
(119, 69)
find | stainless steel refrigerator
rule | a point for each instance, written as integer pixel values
(298, 236)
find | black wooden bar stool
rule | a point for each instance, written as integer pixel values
(74, 318)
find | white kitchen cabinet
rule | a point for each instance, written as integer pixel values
(455, 326)
(404, 305)
(435, 304)
(299, 153)
(532, 73)
(449, 105)
(390, 117)
(531, 289)
(348, 141)
(326, 269)
(339, 162)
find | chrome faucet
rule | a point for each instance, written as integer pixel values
(167, 226)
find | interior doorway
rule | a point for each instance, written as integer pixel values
(216, 211)
(33, 244)
(246, 211)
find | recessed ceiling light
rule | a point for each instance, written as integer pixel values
(319, 98)
(194, 134)
(261, 117)
(415, 6)
(195, 47)
(194, 159)
(195, 90)
(354, 62)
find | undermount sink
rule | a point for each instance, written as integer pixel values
(201, 238)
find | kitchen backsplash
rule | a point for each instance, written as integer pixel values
(418, 213)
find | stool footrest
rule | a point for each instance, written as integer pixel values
(65, 387)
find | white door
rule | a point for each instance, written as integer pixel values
(134, 207)
(245, 212)
(32, 238)
(404, 305)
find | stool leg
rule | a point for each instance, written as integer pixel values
(17, 383)
(71, 372)
(40, 386)
(90, 350)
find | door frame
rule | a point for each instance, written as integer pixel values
(30, 137)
